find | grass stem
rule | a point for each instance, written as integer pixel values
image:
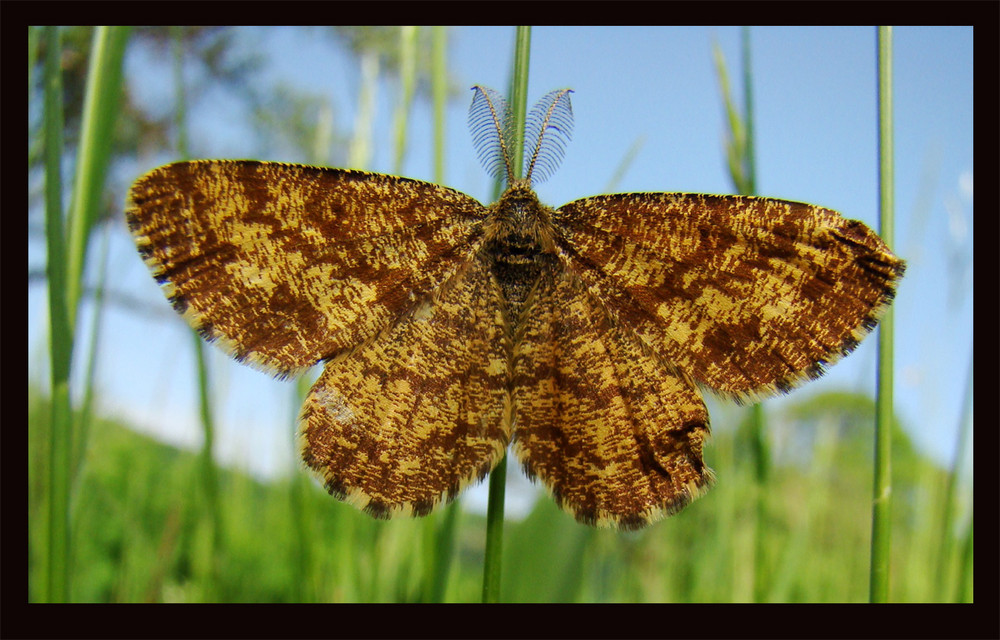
(61, 336)
(100, 114)
(882, 490)
(444, 534)
(498, 478)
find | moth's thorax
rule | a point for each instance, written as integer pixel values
(519, 243)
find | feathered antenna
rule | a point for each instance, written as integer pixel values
(492, 132)
(550, 127)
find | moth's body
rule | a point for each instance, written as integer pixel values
(450, 329)
(518, 245)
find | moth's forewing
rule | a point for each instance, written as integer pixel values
(749, 296)
(284, 265)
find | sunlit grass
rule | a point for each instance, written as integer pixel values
(139, 533)
(882, 487)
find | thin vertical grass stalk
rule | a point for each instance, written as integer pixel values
(439, 88)
(444, 539)
(407, 80)
(207, 470)
(61, 336)
(82, 430)
(100, 113)
(363, 556)
(34, 39)
(965, 577)
(408, 39)
(743, 172)
(882, 490)
(93, 157)
(749, 155)
(360, 151)
(624, 164)
(946, 535)
(761, 450)
(498, 478)
(305, 569)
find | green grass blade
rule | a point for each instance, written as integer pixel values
(408, 81)
(61, 348)
(100, 113)
(946, 535)
(180, 99)
(93, 157)
(439, 87)
(749, 156)
(82, 430)
(360, 151)
(882, 494)
(761, 449)
(498, 478)
(34, 38)
(519, 95)
(743, 173)
(207, 471)
(494, 533)
(624, 164)
(965, 577)
(442, 545)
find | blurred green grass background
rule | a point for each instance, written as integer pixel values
(140, 533)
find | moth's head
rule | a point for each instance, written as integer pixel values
(547, 129)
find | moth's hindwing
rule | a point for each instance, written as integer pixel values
(419, 412)
(615, 435)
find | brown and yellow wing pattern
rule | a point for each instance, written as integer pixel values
(284, 265)
(748, 296)
(615, 435)
(450, 329)
(418, 413)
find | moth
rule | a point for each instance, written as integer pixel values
(449, 329)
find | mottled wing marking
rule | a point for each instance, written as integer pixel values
(747, 295)
(419, 412)
(284, 265)
(615, 435)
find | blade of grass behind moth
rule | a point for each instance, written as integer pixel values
(946, 535)
(207, 471)
(761, 448)
(100, 113)
(443, 540)
(408, 39)
(964, 593)
(882, 489)
(365, 563)
(34, 38)
(359, 153)
(407, 82)
(61, 338)
(624, 164)
(93, 156)
(305, 571)
(307, 584)
(498, 477)
(82, 432)
(743, 172)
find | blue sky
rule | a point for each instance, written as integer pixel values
(816, 134)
